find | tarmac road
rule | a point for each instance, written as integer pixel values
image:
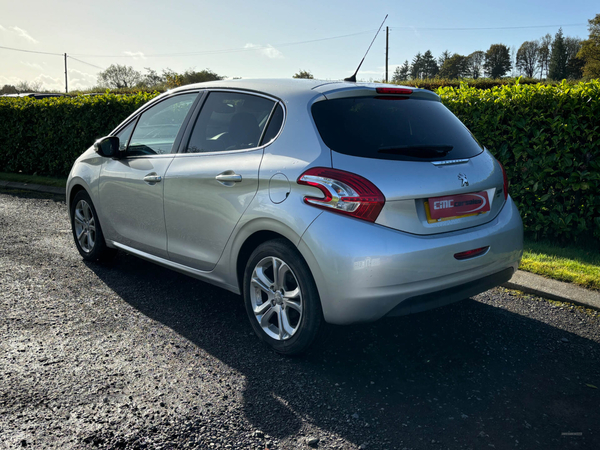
(135, 356)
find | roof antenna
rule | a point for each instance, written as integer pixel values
(353, 77)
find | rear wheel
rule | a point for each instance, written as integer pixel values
(281, 298)
(87, 231)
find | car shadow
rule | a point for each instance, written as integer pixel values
(469, 375)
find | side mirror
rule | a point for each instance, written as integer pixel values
(107, 146)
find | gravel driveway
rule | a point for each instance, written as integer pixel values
(136, 356)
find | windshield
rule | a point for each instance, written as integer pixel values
(393, 128)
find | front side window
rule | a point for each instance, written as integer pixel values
(157, 127)
(230, 121)
(124, 135)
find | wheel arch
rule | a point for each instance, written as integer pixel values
(249, 245)
(73, 191)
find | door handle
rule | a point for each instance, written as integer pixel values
(228, 178)
(152, 178)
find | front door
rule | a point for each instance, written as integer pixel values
(133, 186)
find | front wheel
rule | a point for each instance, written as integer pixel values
(281, 298)
(86, 230)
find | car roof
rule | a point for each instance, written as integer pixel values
(285, 88)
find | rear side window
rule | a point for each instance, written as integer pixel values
(230, 121)
(274, 125)
(393, 128)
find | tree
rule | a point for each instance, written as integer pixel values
(443, 57)
(8, 89)
(497, 61)
(402, 72)
(590, 50)
(152, 79)
(430, 66)
(31, 86)
(528, 57)
(457, 66)
(557, 68)
(416, 68)
(544, 54)
(574, 64)
(304, 74)
(475, 64)
(190, 76)
(174, 79)
(117, 76)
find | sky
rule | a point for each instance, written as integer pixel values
(261, 38)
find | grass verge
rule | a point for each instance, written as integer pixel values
(33, 179)
(575, 265)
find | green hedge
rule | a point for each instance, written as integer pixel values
(480, 83)
(548, 139)
(45, 136)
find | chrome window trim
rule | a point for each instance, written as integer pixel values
(449, 162)
(180, 133)
(275, 100)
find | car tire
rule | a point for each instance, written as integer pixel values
(281, 298)
(87, 231)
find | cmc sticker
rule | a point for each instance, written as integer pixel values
(458, 205)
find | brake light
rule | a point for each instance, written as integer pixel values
(505, 181)
(471, 253)
(344, 193)
(404, 91)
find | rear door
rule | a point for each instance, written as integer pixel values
(212, 181)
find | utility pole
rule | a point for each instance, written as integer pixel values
(387, 41)
(66, 80)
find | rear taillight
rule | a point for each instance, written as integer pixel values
(505, 186)
(344, 193)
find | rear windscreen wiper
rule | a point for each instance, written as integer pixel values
(419, 151)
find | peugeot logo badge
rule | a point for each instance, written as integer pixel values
(463, 180)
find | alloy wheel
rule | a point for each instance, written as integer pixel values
(85, 226)
(276, 298)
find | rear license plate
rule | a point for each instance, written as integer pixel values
(455, 206)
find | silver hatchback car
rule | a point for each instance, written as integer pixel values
(320, 202)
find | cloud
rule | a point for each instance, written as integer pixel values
(24, 34)
(81, 80)
(32, 65)
(266, 50)
(135, 55)
(80, 74)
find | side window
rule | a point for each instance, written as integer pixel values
(124, 135)
(274, 125)
(230, 121)
(157, 127)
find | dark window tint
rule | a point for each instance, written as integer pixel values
(157, 127)
(229, 121)
(274, 125)
(393, 128)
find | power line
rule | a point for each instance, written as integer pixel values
(230, 50)
(489, 28)
(89, 64)
(30, 51)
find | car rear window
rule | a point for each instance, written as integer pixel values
(396, 128)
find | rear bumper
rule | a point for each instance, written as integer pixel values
(447, 296)
(365, 271)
